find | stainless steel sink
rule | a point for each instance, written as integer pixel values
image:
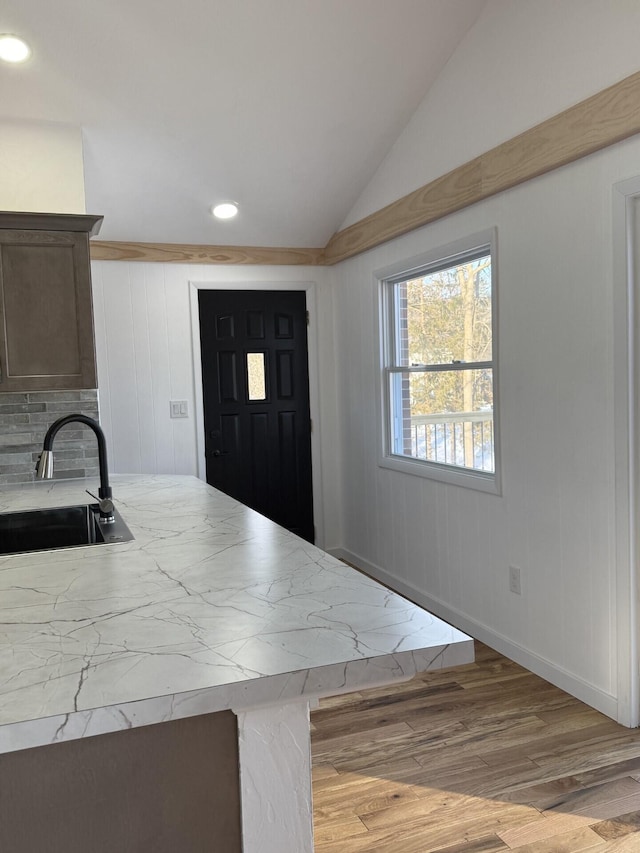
(59, 527)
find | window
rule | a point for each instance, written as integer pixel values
(438, 323)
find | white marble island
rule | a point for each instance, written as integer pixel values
(211, 607)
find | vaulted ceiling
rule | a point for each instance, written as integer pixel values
(286, 106)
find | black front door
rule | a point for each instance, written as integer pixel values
(256, 402)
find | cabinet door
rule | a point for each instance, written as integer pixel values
(46, 321)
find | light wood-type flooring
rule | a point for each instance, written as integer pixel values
(483, 758)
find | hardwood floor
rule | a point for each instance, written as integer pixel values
(478, 759)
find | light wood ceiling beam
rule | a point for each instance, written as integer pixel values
(182, 253)
(601, 120)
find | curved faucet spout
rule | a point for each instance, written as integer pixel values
(44, 469)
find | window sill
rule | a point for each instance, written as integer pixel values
(481, 482)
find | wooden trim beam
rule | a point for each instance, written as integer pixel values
(601, 120)
(179, 253)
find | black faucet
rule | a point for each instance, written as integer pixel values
(44, 468)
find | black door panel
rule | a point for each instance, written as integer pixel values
(256, 402)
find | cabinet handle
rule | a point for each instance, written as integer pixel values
(0, 370)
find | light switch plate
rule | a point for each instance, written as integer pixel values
(179, 408)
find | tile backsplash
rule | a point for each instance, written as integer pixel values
(24, 420)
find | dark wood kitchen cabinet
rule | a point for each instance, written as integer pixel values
(46, 316)
(173, 787)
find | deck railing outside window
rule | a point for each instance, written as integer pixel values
(443, 438)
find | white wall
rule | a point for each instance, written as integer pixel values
(145, 359)
(522, 63)
(451, 547)
(42, 169)
(557, 519)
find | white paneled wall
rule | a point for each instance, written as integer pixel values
(145, 360)
(564, 517)
(143, 341)
(451, 547)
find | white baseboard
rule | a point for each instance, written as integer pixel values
(572, 684)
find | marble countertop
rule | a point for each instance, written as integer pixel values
(211, 607)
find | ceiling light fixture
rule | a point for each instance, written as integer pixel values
(13, 49)
(225, 210)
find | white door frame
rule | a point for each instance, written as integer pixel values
(626, 361)
(314, 386)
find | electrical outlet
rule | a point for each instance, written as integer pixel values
(515, 584)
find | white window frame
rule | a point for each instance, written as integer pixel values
(385, 279)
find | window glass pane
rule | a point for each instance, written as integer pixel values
(445, 316)
(256, 382)
(444, 416)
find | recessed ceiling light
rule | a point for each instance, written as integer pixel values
(13, 49)
(225, 210)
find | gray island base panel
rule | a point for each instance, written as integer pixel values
(212, 607)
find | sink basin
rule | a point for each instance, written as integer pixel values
(59, 527)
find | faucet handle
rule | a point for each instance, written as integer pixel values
(105, 505)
